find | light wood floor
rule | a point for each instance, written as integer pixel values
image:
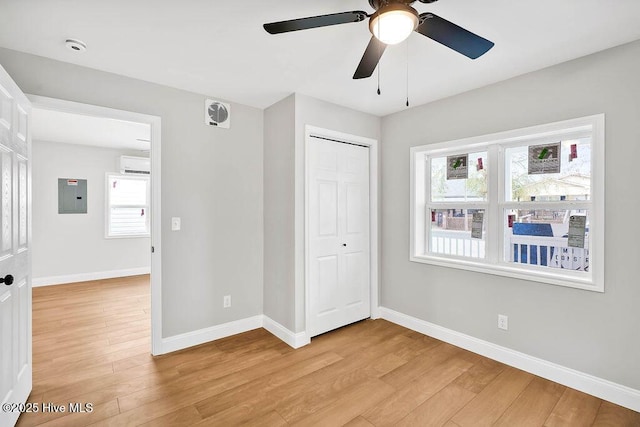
(91, 345)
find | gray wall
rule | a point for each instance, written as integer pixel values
(74, 244)
(211, 177)
(279, 188)
(588, 331)
(284, 196)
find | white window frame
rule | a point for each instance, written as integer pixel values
(108, 206)
(495, 144)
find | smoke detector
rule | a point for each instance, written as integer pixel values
(75, 45)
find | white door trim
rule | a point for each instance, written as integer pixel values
(373, 212)
(156, 221)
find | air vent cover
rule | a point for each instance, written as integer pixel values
(217, 113)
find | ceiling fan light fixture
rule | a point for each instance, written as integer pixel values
(393, 23)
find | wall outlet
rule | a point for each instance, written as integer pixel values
(503, 322)
(226, 303)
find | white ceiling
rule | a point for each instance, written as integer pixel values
(218, 47)
(69, 128)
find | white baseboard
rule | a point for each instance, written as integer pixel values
(201, 336)
(295, 340)
(85, 277)
(375, 313)
(604, 389)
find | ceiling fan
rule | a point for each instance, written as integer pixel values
(391, 23)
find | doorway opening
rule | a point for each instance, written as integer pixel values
(123, 203)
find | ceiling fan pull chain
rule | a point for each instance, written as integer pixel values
(379, 65)
(378, 78)
(407, 72)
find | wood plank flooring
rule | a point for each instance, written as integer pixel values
(91, 344)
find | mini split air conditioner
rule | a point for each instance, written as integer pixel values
(217, 113)
(135, 165)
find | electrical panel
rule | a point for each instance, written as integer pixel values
(72, 196)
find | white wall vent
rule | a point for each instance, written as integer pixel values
(217, 113)
(135, 165)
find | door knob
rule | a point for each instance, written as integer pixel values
(7, 280)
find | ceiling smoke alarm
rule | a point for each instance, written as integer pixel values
(217, 113)
(75, 45)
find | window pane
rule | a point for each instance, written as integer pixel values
(127, 208)
(453, 232)
(128, 221)
(526, 182)
(548, 238)
(473, 188)
(125, 191)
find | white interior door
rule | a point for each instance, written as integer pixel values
(338, 234)
(15, 244)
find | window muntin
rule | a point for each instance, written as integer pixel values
(127, 206)
(539, 204)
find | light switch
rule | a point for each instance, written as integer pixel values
(175, 224)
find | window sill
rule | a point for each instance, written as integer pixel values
(568, 278)
(130, 236)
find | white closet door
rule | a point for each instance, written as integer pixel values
(338, 234)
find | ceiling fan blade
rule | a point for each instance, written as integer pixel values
(370, 59)
(315, 22)
(453, 36)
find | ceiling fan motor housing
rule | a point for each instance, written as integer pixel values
(377, 4)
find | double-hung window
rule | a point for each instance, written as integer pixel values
(527, 203)
(127, 206)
